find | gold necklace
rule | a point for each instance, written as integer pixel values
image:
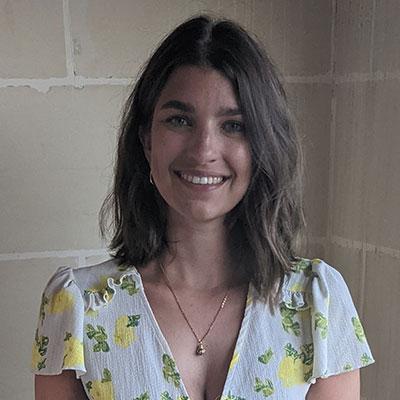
(200, 349)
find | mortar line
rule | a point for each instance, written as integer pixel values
(44, 85)
(69, 52)
(53, 254)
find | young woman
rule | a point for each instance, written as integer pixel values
(204, 297)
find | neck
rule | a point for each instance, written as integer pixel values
(199, 256)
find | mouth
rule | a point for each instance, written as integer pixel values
(202, 179)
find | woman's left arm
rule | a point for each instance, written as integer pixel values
(345, 386)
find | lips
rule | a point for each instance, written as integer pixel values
(202, 178)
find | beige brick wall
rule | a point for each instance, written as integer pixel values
(65, 70)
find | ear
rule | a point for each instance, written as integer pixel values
(145, 140)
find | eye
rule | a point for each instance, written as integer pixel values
(178, 121)
(234, 127)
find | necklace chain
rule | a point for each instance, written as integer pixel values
(200, 350)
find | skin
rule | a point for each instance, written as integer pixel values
(197, 129)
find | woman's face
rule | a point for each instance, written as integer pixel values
(197, 147)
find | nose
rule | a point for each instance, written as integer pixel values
(204, 144)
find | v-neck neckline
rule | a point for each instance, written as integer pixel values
(238, 344)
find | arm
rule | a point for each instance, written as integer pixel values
(338, 387)
(61, 387)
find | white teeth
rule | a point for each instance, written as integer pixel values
(202, 180)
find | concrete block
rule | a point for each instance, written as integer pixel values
(311, 105)
(381, 323)
(22, 284)
(382, 161)
(116, 39)
(32, 41)
(349, 185)
(298, 34)
(387, 36)
(56, 165)
(353, 36)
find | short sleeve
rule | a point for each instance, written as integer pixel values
(58, 342)
(339, 340)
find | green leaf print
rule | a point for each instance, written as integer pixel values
(303, 266)
(143, 396)
(365, 359)
(182, 398)
(43, 304)
(169, 370)
(106, 375)
(288, 324)
(307, 353)
(41, 364)
(347, 367)
(41, 343)
(266, 387)
(321, 323)
(358, 329)
(99, 335)
(68, 335)
(129, 285)
(133, 320)
(166, 396)
(266, 357)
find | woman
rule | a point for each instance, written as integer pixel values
(204, 297)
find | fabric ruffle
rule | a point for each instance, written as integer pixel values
(95, 299)
(316, 286)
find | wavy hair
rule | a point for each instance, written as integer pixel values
(266, 225)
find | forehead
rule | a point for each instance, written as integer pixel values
(199, 87)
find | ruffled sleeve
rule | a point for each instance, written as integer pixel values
(58, 342)
(339, 340)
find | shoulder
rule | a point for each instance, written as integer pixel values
(311, 280)
(85, 278)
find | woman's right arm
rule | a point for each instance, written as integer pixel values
(61, 387)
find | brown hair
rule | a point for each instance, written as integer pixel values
(265, 226)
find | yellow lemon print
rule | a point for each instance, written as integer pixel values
(234, 360)
(101, 390)
(297, 287)
(73, 351)
(296, 367)
(36, 357)
(61, 301)
(124, 333)
(291, 371)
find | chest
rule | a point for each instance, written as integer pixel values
(204, 375)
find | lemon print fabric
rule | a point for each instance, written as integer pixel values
(124, 333)
(99, 336)
(234, 360)
(296, 367)
(321, 324)
(169, 370)
(39, 351)
(289, 323)
(73, 351)
(61, 301)
(119, 352)
(102, 389)
(358, 329)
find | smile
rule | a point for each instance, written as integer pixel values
(201, 180)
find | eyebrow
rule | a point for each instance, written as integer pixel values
(189, 108)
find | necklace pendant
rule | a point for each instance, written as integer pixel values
(200, 350)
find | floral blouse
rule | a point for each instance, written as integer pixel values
(97, 321)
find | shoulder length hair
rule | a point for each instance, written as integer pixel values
(265, 226)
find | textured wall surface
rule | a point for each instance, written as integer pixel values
(65, 69)
(363, 237)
